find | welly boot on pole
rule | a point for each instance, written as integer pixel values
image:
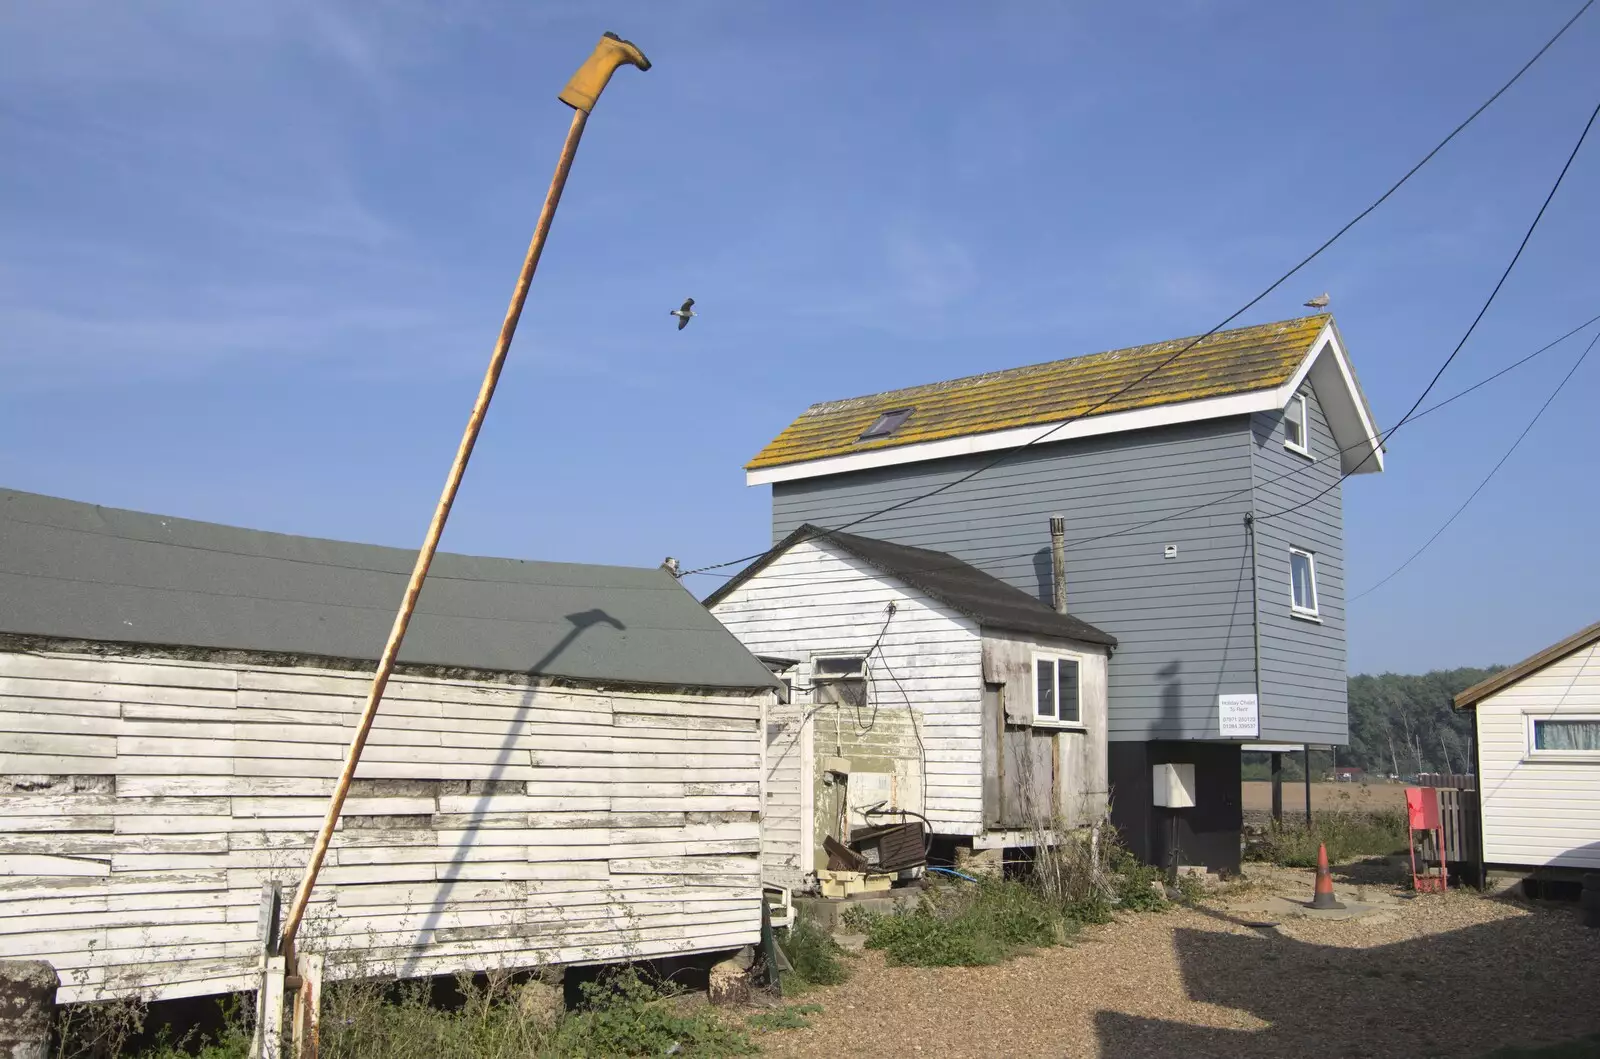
(1322, 894)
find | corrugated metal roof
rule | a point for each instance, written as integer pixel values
(959, 585)
(1229, 362)
(78, 571)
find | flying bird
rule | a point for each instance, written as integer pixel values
(1319, 302)
(683, 312)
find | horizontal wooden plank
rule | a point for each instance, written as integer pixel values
(28, 889)
(61, 707)
(143, 746)
(196, 917)
(688, 866)
(188, 785)
(186, 765)
(525, 803)
(78, 844)
(687, 708)
(27, 688)
(14, 723)
(190, 729)
(28, 864)
(56, 765)
(98, 669)
(353, 806)
(55, 823)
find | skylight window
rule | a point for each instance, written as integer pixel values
(886, 424)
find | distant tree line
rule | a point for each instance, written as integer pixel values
(1399, 725)
(1405, 724)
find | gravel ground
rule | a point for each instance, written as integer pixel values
(1434, 975)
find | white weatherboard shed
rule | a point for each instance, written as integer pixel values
(921, 682)
(1538, 736)
(566, 767)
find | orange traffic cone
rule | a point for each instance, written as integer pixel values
(1322, 895)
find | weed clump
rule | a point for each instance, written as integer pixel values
(626, 1016)
(791, 1017)
(815, 957)
(1070, 879)
(969, 925)
(623, 1015)
(1348, 836)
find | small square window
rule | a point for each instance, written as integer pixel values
(1303, 582)
(886, 424)
(1566, 736)
(1056, 691)
(1295, 430)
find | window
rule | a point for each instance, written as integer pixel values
(1056, 690)
(1566, 736)
(1295, 429)
(1303, 583)
(838, 666)
(886, 424)
(840, 680)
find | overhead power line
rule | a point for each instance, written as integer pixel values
(1486, 478)
(1300, 468)
(1380, 200)
(1475, 320)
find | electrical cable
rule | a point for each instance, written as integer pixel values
(1009, 453)
(1486, 478)
(805, 579)
(1475, 320)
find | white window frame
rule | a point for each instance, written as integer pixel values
(1033, 678)
(1304, 447)
(1531, 718)
(1313, 613)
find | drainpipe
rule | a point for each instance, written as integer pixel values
(1058, 563)
(1255, 608)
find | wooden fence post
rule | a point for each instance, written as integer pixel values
(307, 1006)
(269, 1020)
(269, 989)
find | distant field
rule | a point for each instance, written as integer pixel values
(1325, 796)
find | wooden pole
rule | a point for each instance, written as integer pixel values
(1308, 784)
(1277, 787)
(580, 93)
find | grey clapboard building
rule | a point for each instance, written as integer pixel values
(1204, 532)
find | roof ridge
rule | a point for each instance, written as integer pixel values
(985, 376)
(84, 506)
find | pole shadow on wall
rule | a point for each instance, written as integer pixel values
(581, 622)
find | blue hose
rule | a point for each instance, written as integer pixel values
(952, 871)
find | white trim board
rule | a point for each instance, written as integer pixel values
(1342, 405)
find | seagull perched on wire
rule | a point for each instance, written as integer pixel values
(683, 312)
(1319, 302)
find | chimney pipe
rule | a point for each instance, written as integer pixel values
(1058, 563)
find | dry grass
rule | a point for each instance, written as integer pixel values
(1456, 975)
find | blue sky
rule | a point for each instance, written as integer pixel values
(256, 253)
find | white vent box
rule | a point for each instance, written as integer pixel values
(1173, 786)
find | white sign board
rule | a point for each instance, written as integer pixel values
(1238, 716)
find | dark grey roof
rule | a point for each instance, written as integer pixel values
(79, 571)
(961, 586)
